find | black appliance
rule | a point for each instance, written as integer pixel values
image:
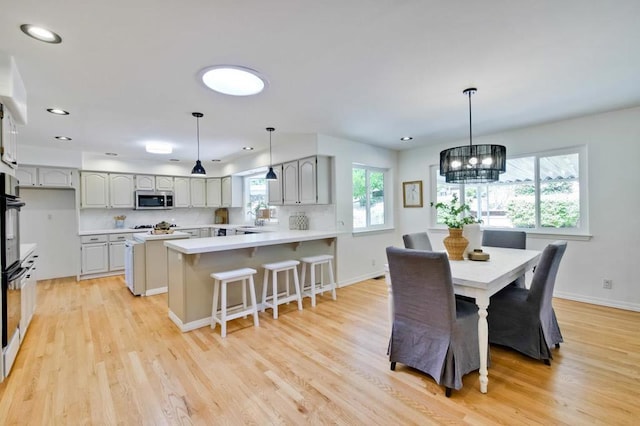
(12, 272)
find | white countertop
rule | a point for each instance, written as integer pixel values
(211, 244)
(26, 250)
(147, 236)
(215, 226)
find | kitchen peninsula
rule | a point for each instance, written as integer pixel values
(191, 262)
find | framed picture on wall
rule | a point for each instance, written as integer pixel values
(412, 193)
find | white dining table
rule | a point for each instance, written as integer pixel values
(480, 280)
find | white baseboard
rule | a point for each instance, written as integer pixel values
(360, 278)
(155, 291)
(204, 322)
(598, 301)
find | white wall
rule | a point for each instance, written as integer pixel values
(613, 147)
(359, 256)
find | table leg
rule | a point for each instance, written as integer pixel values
(483, 341)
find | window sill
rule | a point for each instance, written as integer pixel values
(570, 236)
(370, 231)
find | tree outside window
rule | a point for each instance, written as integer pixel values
(368, 197)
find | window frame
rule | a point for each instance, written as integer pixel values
(581, 230)
(387, 199)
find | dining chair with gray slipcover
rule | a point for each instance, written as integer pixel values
(506, 239)
(523, 319)
(432, 331)
(417, 241)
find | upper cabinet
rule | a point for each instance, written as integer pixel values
(214, 192)
(198, 190)
(275, 188)
(181, 192)
(9, 129)
(45, 177)
(231, 191)
(305, 181)
(145, 182)
(164, 183)
(106, 190)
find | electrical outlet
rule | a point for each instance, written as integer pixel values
(608, 284)
(373, 262)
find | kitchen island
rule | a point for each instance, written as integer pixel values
(191, 263)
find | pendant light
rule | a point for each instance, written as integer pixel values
(473, 163)
(271, 175)
(198, 170)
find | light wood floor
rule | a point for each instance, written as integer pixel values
(97, 355)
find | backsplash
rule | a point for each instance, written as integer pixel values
(91, 219)
(321, 217)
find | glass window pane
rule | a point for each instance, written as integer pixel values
(444, 193)
(559, 191)
(376, 197)
(359, 198)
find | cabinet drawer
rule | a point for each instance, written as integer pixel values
(86, 239)
(119, 237)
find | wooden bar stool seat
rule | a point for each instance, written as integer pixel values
(313, 289)
(242, 275)
(274, 299)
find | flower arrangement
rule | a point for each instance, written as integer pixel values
(454, 215)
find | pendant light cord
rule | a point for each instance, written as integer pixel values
(198, 134)
(270, 158)
(470, 133)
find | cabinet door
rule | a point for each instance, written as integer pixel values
(198, 192)
(194, 233)
(55, 177)
(214, 192)
(121, 191)
(164, 183)
(116, 256)
(146, 182)
(205, 232)
(95, 258)
(27, 176)
(225, 185)
(275, 187)
(290, 182)
(307, 180)
(9, 138)
(181, 192)
(94, 190)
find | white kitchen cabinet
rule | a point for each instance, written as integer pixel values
(28, 293)
(198, 191)
(121, 189)
(275, 187)
(181, 192)
(205, 232)
(194, 233)
(95, 254)
(231, 191)
(307, 181)
(164, 183)
(9, 138)
(94, 190)
(116, 251)
(214, 192)
(45, 177)
(145, 182)
(27, 176)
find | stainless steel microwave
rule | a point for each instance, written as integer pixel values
(154, 200)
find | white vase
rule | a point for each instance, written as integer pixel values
(473, 234)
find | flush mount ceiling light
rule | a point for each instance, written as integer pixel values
(111, 154)
(40, 33)
(63, 138)
(233, 80)
(271, 175)
(473, 163)
(247, 148)
(406, 138)
(198, 170)
(158, 148)
(57, 111)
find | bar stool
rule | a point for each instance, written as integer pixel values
(314, 261)
(284, 266)
(221, 280)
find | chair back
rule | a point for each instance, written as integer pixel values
(506, 239)
(544, 278)
(417, 241)
(422, 288)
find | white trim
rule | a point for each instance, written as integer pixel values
(361, 278)
(154, 291)
(203, 322)
(598, 301)
(530, 234)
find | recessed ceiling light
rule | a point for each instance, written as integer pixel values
(40, 33)
(247, 148)
(406, 138)
(63, 138)
(158, 148)
(215, 160)
(111, 154)
(173, 159)
(57, 111)
(233, 80)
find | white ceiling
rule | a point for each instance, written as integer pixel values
(365, 70)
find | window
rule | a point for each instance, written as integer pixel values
(369, 203)
(256, 199)
(543, 192)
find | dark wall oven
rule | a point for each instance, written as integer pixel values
(12, 272)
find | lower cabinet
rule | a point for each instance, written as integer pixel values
(28, 294)
(102, 253)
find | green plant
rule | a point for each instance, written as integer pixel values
(454, 215)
